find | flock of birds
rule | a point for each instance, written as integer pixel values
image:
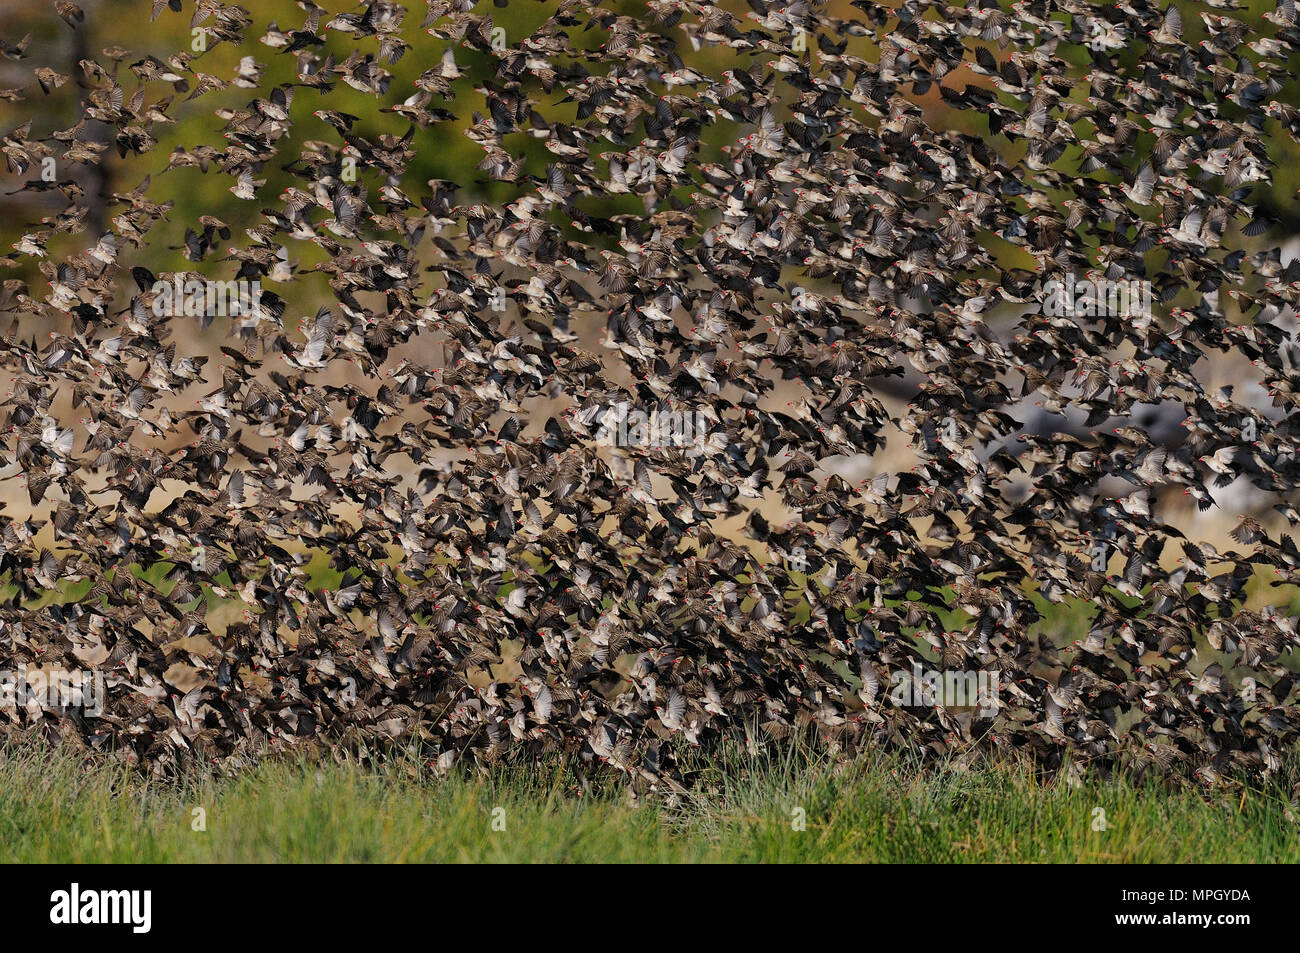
(789, 226)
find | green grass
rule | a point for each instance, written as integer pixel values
(52, 809)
